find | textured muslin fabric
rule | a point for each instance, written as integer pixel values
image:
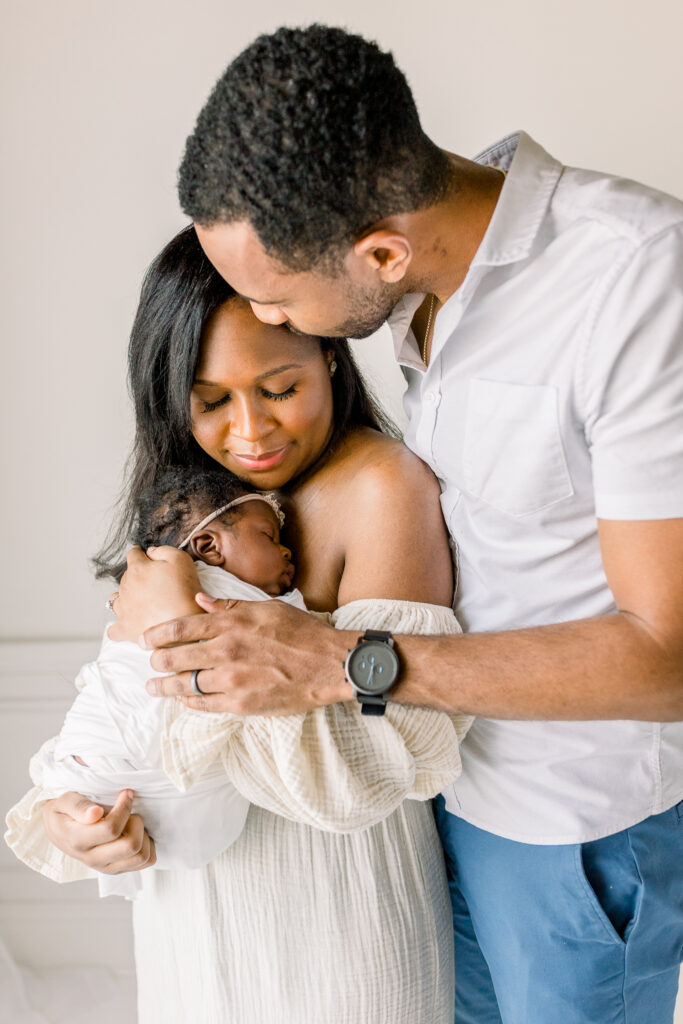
(295, 924)
(114, 726)
(332, 767)
(292, 925)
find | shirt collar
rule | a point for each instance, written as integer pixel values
(531, 178)
(532, 175)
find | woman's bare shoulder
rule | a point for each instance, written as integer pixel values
(394, 537)
(375, 465)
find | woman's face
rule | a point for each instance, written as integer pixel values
(261, 403)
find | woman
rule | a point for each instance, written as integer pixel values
(291, 923)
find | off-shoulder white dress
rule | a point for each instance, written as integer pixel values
(332, 906)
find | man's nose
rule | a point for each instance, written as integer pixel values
(269, 314)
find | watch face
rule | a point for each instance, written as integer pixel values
(372, 667)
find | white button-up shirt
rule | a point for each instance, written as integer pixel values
(554, 395)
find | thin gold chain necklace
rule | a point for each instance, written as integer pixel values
(423, 346)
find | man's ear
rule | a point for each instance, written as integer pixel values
(388, 253)
(205, 546)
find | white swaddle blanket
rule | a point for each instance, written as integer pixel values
(114, 725)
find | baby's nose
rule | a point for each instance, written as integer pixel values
(286, 553)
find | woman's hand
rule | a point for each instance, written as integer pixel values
(156, 587)
(257, 658)
(111, 842)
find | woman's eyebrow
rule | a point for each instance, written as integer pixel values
(278, 369)
(261, 376)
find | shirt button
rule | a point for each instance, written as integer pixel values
(430, 397)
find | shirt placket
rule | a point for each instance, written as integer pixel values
(430, 400)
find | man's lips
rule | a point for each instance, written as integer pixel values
(265, 461)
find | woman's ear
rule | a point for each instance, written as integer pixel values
(206, 548)
(387, 253)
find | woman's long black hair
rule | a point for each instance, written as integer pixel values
(180, 292)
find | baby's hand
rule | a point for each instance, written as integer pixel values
(156, 587)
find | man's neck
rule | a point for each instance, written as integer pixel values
(445, 237)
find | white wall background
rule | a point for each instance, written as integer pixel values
(97, 99)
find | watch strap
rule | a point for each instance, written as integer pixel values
(377, 634)
(371, 705)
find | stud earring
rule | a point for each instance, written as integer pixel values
(333, 367)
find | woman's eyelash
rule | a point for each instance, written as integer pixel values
(279, 396)
(275, 396)
(210, 406)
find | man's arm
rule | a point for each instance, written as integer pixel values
(628, 665)
(272, 659)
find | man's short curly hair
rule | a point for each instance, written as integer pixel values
(312, 135)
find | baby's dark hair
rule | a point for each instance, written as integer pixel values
(178, 499)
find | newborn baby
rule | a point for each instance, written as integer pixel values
(110, 739)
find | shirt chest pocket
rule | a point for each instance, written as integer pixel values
(513, 457)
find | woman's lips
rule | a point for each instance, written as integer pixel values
(265, 461)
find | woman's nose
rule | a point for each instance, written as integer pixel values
(250, 421)
(269, 314)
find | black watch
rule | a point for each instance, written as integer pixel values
(372, 668)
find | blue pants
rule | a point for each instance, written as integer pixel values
(580, 934)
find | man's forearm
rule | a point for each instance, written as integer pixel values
(605, 668)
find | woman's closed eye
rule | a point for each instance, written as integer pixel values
(275, 396)
(279, 396)
(210, 406)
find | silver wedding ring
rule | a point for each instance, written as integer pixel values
(194, 684)
(109, 603)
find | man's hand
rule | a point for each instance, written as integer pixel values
(157, 586)
(111, 842)
(256, 658)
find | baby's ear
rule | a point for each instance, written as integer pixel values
(206, 548)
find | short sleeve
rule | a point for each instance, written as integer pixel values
(633, 386)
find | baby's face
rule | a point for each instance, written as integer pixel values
(251, 548)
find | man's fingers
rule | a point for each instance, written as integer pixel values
(206, 703)
(180, 685)
(188, 630)
(213, 604)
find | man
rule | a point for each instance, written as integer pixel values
(536, 311)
